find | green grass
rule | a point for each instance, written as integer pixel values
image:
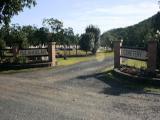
(75, 60)
(135, 63)
(72, 52)
(143, 87)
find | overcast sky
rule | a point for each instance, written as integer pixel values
(106, 14)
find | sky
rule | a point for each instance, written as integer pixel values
(78, 14)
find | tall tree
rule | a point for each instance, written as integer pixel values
(95, 32)
(85, 42)
(76, 42)
(30, 33)
(68, 37)
(56, 27)
(106, 41)
(9, 8)
(41, 37)
(16, 37)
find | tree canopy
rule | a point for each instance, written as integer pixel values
(136, 35)
(9, 8)
(85, 42)
(95, 37)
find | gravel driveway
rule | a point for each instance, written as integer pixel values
(72, 93)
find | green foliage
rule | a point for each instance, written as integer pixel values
(85, 42)
(68, 36)
(16, 37)
(54, 24)
(107, 40)
(2, 44)
(9, 8)
(136, 35)
(40, 37)
(95, 34)
(20, 60)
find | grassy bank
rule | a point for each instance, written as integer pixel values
(117, 81)
(135, 63)
(75, 60)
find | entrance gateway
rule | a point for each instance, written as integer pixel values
(34, 55)
(149, 55)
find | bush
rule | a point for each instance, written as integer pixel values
(20, 60)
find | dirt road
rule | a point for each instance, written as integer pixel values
(72, 93)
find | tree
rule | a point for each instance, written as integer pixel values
(106, 41)
(85, 42)
(40, 37)
(9, 8)
(95, 33)
(2, 36)
(16, 37)
(30, 33)
(76, 42)
(56, 27)
(68, 37)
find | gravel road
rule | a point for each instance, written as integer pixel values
(73, 93)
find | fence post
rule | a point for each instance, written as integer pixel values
(52, 53)
(15, 51)
(117, 47)
(152, 56)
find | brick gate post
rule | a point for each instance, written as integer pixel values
(152, 56)
(117, 47)
(52, 53)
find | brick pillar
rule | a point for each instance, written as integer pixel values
(152, 56)
(52, 53)
(117, 46)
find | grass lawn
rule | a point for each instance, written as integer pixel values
(72, 52)
(109, 77)
(74, 60)
(135, 63)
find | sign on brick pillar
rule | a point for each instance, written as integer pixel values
(117, 47)
(52, 53)
(152, 56)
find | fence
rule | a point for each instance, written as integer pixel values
(29, 56)
(149, 55)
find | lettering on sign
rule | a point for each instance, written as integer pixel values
(134, 54)
(33, 52)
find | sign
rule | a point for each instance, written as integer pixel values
(33, 52)
(134, 54)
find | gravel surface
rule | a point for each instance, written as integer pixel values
(73, 93)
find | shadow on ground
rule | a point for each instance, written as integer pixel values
(115, 85)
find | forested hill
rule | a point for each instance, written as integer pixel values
(136, 35)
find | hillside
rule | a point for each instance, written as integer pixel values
(136, 35)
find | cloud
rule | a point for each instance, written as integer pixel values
(113, 16)
(130, 9)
